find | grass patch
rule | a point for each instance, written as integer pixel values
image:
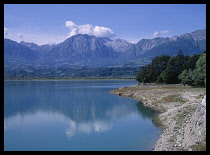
(201, 146)
(173, 98)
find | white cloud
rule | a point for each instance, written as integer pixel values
(165, 31)
(156, 33)
(56, 35)
(20, 35)
(34, 36)
(134, 41)
(70, 24)
(88, 29)
(5, 31)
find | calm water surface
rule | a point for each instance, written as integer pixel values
(75, 116)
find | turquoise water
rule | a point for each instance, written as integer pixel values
(75, 116)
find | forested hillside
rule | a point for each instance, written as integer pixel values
(71, 73)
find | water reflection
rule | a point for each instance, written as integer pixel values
(70, 108)
(84, 105)
(98, 126)
(145, 112)
(79, 104)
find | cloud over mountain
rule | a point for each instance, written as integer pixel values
(20, 35)
(89, 29)
(158, 33)
(5, 31)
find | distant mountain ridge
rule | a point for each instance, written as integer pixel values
(14, 51)
(176, 43)
(83, 50)
(189, 43)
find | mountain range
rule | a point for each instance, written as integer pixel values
(83, 50)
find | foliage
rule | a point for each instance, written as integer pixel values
(150, 72)
(186, 77)
(70, 73)
(192, 61)
(175, 66)
(175, 69)
(144, 74)
(197, 76)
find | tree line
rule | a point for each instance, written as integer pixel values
(182, 68)
(71, 73)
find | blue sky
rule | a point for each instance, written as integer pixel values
(53, 23)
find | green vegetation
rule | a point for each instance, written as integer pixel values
(197, 75)
(29, 73)
(175, 69)
(173, 98)
(163, 69)
(200, 146)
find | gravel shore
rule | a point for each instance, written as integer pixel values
(176, 104)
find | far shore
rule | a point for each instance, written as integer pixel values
(176, 104)
(79, 79)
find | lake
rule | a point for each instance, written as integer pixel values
(75, 115)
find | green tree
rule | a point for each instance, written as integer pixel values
(163, 77)
(150, 72)
(196, 75)
(186, 77)
(175, 66)
(175, 69)
(201, 64)
(170, 74)
(144, 75)
(199, 74)
(192, 62)
(159, 64)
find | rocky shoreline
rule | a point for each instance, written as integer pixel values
(182, 114)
